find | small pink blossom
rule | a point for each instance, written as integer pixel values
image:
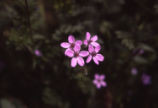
(76, 55)
(37, 52)
(93, 54)
(91, 40)
(141, 51)
(99, 81)
(71, 42)
(134, 71)
(146, 79)
(138, 51)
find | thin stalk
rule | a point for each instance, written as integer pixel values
(28, 16)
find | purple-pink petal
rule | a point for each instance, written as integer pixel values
(98, 85)
(146, 79)
(90, 48)
(96, 60)
(71, 39)
(102, 77)
(95, 44)
(65, 44)
(96, 76)
(104, 84)
(134, 71)
(88, 36)
(80, 61)
(89, 59)
(100, 57)
(73, 62)
(37, 52)
(77, 48)
(95, 81)
(85, 42)
(141, 51)
(84, 53)
(69, 53)
(94, 38)
(97, 48)
(79, 42)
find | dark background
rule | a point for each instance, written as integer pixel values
(124, 27)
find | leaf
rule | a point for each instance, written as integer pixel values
(146, 47)
(6, 104)
(38, 37)
(140, 60)
(13, 103)
(126, 39)
(128, 43)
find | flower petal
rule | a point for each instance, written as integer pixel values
(65, 44)
(94, 38)
(95, 81)
(85, 42)
(97, 76)
(134, 71)
(100, 57)
(95, 44)
(80, 61)
(77, 48)
(37, 53)
(102, 77)
(71, 39)
(69, 53)
(96, 60)
(79, 42)
(97, 48)
(73, 62)
(90, 48)
(98, 85)
(88, 36)
(104, 84)
(84, 53)
(89, 59)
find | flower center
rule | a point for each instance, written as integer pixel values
(93, 53)
(76, 54)
(89, 41)
(72, 45)
(99, 80)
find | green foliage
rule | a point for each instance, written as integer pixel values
(6, 103)
(52, 98)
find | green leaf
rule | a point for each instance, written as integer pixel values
(146, 47)
(140, 60)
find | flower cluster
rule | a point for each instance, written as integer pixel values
(75, 52)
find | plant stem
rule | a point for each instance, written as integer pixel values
(28, 16)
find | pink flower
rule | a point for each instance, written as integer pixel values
(141, 51)
(37, 52)
(99, 81)
(76, 55)
(138, 51)
(146, 79)
(71, 42)
(91, 41)
(93, 54)
(134, 71)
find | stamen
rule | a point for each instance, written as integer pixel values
(76, 54)
(72, 45)
(93, 53)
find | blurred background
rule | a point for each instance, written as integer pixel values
(34, 73)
